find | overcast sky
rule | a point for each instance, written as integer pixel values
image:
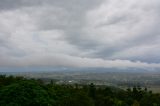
(80, 33)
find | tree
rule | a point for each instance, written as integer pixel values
(92, 90)
(136, 103)
(25, 93)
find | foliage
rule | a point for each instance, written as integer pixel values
(18, 91)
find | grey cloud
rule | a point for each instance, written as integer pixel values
(68, 16)
(142, 29)
(15, 4)
(82, 32)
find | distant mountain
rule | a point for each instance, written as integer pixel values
(69, 69)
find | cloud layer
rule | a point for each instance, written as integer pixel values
(80, 33)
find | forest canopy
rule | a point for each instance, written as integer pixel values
(19, 91)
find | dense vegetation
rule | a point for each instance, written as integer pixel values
(18, 91)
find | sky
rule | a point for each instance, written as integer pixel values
(80, 33)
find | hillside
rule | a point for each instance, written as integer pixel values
(18, 91)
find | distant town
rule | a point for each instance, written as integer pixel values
(123, 80)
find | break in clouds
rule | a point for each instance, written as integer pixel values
(80, 33)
